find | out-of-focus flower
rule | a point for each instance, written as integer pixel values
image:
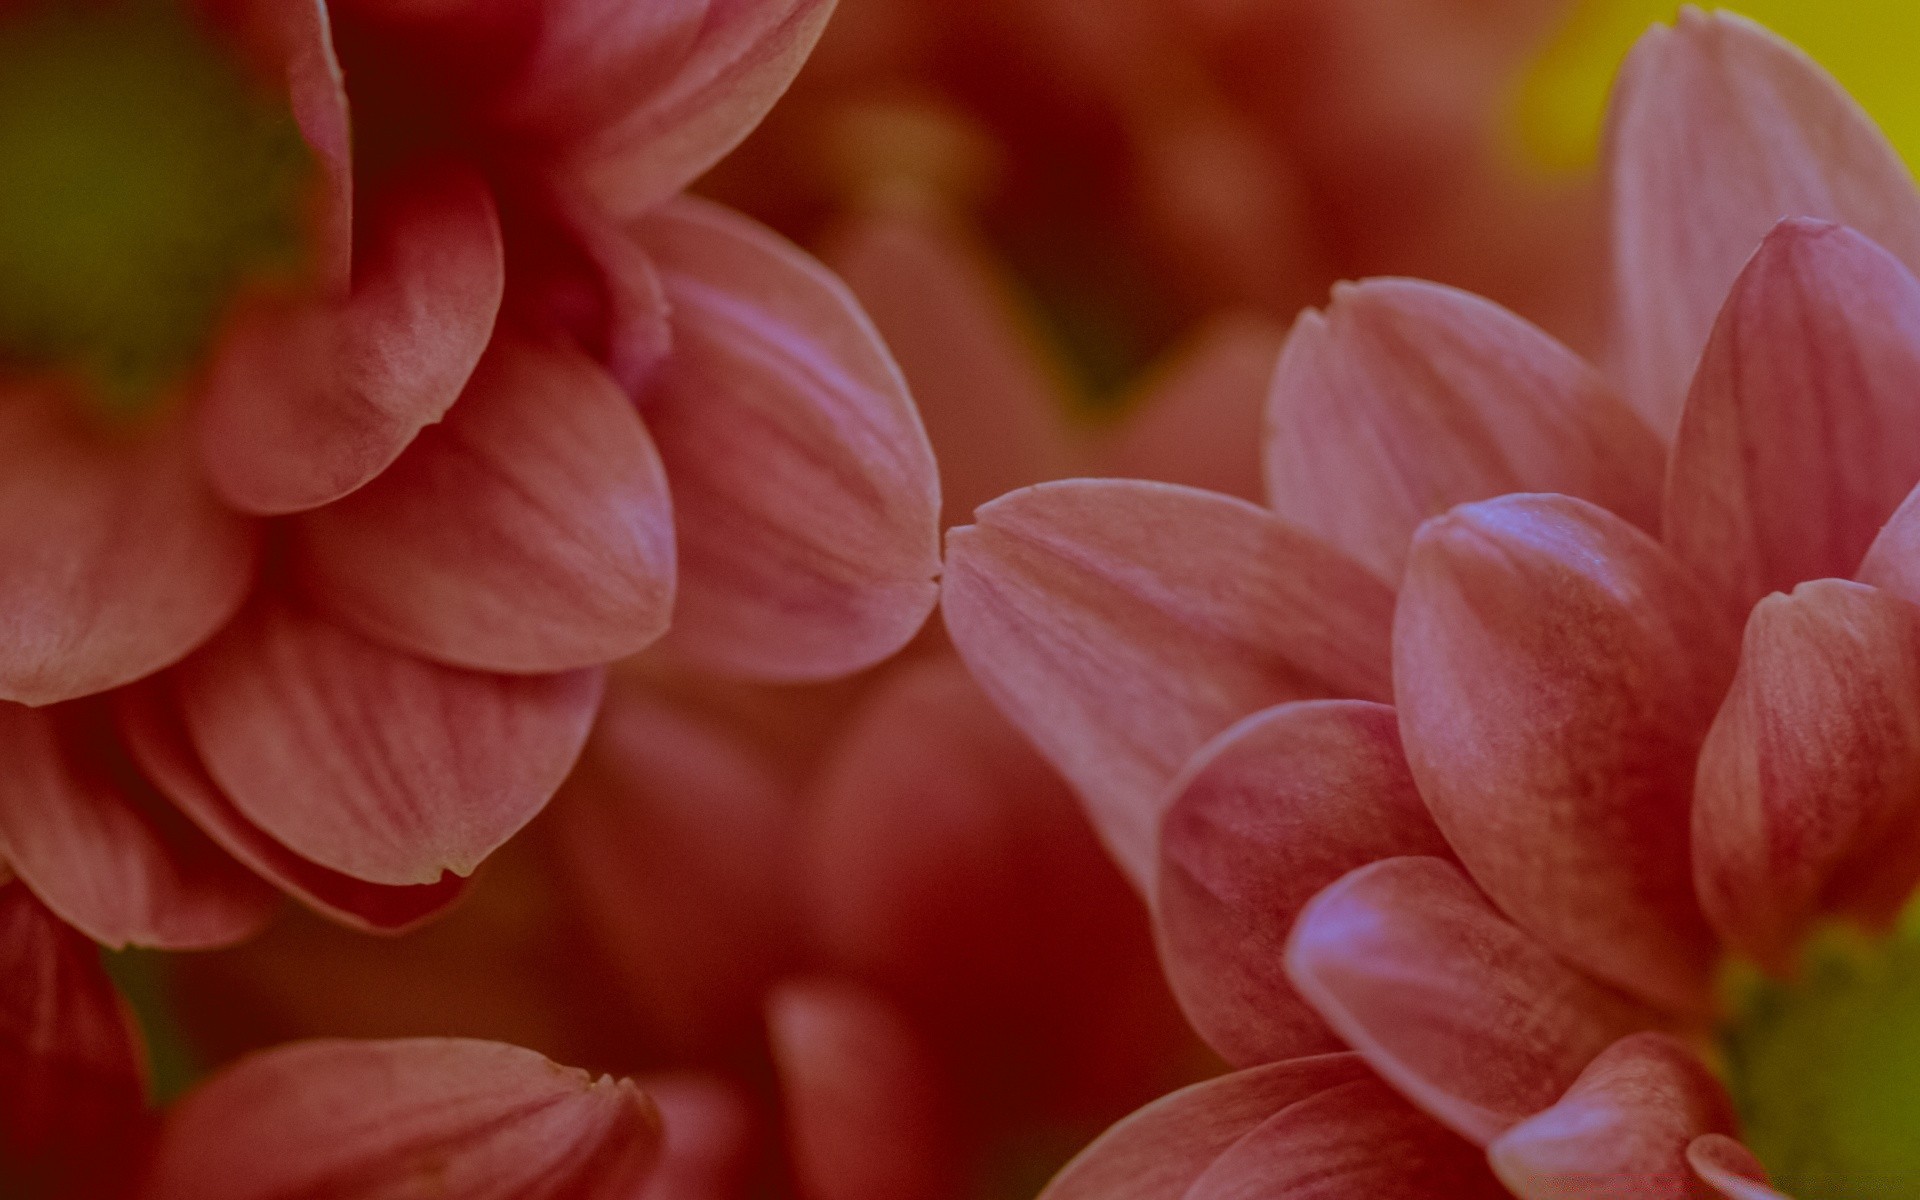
(333, 570)
(1468, 941)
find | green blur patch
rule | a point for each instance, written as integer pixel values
(142, 179)
(1825, 1070)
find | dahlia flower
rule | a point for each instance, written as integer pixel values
(1453, 778)
(465, 402)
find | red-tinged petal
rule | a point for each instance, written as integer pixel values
(530, 531)
(365, 1120)
(1358, 1141)
(305, 404)
(805, 496)
(72, 1085)
(709, 1139)
(118, 559)
(1730, 1169)
(157, 740)
(1623, 1128)
(864, 1111)
(1555, 672)
(586, 60)
(1892, 563)
(745, 55)
(994, 402)
(1808, 796)
(1717, 130)
(1406, 398)
(1197, 420)
(1158, 1152)
(1121, 624)
(1270, 812)
(371, 762)
(1802, 432)
(1468, 1015)
(100, 847)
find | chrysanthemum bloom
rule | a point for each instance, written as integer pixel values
(1451, 807)
(450, 402)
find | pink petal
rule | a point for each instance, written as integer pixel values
(1270, 812)
(100, 847)
(157, 740)
(1622, 1129)
(1555, 672)
(586, 58)
(746, 54)
(1892, 563)
(306, 403)
(1465, 1013)
(1158, 1152)
(1802, 432)
(1808, 799)
(1407, 398)
(865, 1117)
(1121, 624)
(1717, 130)
(373, 763)
(709, 1138)
(530, 531)
(72, 1080)
(351, 1120)
(118, 559)
(1730, 1169)
(805, 496)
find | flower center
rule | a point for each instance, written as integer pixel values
(1825, 1070)
(144, 179)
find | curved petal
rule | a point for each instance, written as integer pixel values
(1802, 432)
(366, 1120)
(1406, 398)
(1465, 1013)
(805, 496)
(583, 59)
(1730, 1169)
(373, 763)
(709, 1138)
(1270, 812)
(1622, 1128)
(100, 847)
(1555, 671)
(1158, 1152)
(1121, 624)
(306, 403)
(118, 559)
(1892, 563)
(155, 736)
(1718, 129)
(530, 531)
(1808, 797)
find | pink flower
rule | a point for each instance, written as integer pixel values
(1468, 941)
(342, 597)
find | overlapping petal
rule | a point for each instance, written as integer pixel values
(1730, 1169)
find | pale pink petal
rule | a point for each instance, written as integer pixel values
(530, 531)
(1121, 624)
(1717, 130)
(1471, 1017)
(709, 1129)
(151, 727)
(1358, 1141)
(1808, 797)
(118, 559)
(1892, 563)
(1406, 398)
(1270, 812)
(1158, 1152)
(100, 847)
(1556, 671)
(1730, 1169)
(306, 403)
(805, 496)
(72, 1079)
(994, 401)
(1802, 432)
(745, 55)
(864, 1111)
(587, 59)
(371, 762)
(1622, 1129)
(365, 1120)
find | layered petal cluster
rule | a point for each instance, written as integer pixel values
(1453, 774)
(344, 601)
